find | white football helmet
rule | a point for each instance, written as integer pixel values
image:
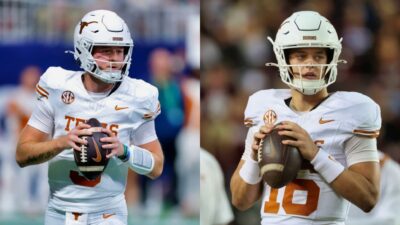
(102, 28)
(307, 29)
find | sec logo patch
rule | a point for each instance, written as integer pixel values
(270, 117)
(67, 97)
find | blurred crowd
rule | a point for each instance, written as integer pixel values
(54, 21)
(235, 48)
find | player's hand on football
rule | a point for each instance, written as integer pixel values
(72, 139)
(112, 142)
(259, 136)
(302, 139)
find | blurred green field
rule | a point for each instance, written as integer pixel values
(175, 219)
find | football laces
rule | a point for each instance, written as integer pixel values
(259, 151)
(83, 151)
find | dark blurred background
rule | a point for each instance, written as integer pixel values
(235, 48)
(34, 34)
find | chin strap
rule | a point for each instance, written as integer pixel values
(308, 87)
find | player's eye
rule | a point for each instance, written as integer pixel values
(107, 51)
(319, 57)
(300, 56)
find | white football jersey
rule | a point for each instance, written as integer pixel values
(67, 102)
(309, 199)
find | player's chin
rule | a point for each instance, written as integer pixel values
(310, 77)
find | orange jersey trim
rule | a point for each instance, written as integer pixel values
(248, 122)
(41, 91)
(366, 133)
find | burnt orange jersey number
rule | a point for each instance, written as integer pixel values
(79, 180)
(312, 189)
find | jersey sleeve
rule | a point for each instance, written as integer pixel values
(144, 134)
(150, 106)
(250, 113)
(250, 121)
(154, 108)
(367, 119)
(42, 117)
(361, 149)
(253, 120)
(248, 151)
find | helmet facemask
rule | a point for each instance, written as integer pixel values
(109, 75)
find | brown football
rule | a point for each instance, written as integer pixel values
(92, 160)
(278, 163)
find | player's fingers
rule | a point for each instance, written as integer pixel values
(257, 144)
(74, 146)
(286, 122)
(255, 147)
(80, 132)
(289, 133)
(107, 131)
(109, 139)
(86, 131)
(256, 141)
(288, 125)
(290, 142)
(283, 126)
(258, 136)
(111, 146)
(83, 126)
(296, 131)
(78, 140)
(267, 129)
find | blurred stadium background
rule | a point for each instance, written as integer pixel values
(234, 49)
(34, 34)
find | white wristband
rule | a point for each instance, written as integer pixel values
(140, 160)
(250, 172)
(327, 166)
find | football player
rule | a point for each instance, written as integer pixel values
(126, 108)
(334, 132)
